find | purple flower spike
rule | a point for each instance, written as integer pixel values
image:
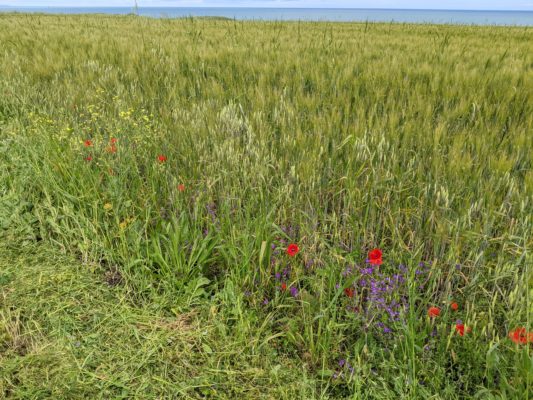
(294, 291)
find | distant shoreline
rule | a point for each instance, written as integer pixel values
(417, 16)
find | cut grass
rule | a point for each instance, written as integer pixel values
(65, 333)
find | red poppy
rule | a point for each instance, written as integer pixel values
(434, 312)
(454, 306)
(181, 187)
(114, 140)
(89, 158)
(374, 257)
(112, 149)
(283, 286)
(520, 336)
(161, 158)
(293, 249)
(349, 292)
(88, 143)
(460, 329)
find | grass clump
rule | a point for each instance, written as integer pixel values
(164, 167)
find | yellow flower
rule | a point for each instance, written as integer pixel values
(108, 206)
(125, 223)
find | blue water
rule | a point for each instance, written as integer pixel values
(524, 18)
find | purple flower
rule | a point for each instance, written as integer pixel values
(342, 361)
(367, 271)
(278, 276)
(272, 246)
(294, 291)
(457, 266)
(265, 301)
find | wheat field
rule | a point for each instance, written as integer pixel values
(154, 174)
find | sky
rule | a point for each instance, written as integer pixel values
(526, 5)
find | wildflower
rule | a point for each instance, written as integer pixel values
(161, 158)
(349, 292)
(88, 143)
(434, 312)
(112, 149)
(454, 306)
(283, 286)
(460, 329)
(342, 362)
(374, 257)
(114, 140)
(520, 336)
(181, 187)
(294, 291)
(89, 158)
(293, 249)
(265, 302)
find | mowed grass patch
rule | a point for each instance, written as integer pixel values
(66, 333)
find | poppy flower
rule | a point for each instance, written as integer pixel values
(520, 336)
(434, 312)
(112, 149)
(181, 187)
(88, 158)
(349, 292)
(114, 140)
(374, 257)
(161, 158)
(292, 249)
(454, 306)
(460, 329)
(88, 143)
(283, 286)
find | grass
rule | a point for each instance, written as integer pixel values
(341, 138)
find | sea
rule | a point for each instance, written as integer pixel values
(519, 18)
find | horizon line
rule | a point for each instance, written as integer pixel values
(276, 8)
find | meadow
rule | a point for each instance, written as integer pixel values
(209, 208)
